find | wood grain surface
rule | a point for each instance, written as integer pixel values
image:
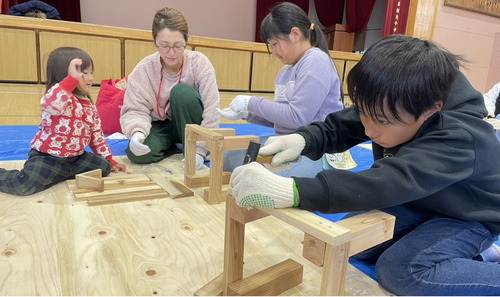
(51, 244)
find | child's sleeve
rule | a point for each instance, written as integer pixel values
(97, 140)
(59, 97)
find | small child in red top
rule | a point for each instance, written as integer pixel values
(69, 124)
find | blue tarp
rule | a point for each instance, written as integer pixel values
(15, 140)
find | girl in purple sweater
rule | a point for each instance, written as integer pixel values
(307, 88)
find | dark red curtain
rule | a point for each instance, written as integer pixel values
(265, 6)
(357, 14)
(330, 12)
(396, 17)
(69, 10)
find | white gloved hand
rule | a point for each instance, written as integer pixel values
(254, 186)
(240, 103)
(199, 162)
(136, 146)
(229, 114)
(286, 148)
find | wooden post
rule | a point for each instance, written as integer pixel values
(234, 245)
(217, 141)
(337, 240)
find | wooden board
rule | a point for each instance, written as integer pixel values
(174, 188)
(132, 187)
(120, 188)
(51, 245)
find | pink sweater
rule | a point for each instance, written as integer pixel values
(139, 104)
(69, 124)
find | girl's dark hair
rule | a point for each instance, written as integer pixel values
(405, 72)
(58, 63)
(171, 19)
(283, 17)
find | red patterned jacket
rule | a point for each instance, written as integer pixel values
(69, 124)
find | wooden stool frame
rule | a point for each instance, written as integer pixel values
(340, 241)
(217, 141)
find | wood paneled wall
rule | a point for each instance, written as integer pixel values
(240, 66)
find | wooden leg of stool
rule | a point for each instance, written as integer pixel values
(335, 270)
(215, 177)
(234, 244)
(189, 153)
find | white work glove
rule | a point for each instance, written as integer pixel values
(136, 146)
(229, 114)
(286, 148)
(254, 186)
(199, 162)
(240, 103)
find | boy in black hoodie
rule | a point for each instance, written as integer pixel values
(436, 169)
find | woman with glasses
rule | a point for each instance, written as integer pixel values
(167, 90)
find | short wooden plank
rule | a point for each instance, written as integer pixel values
(127, 198)
(238, 142)
(225, 131)
(269, 282)
(121, 178)
(199, 180)
(182, 190)
(174, 188)
(149, 188)
(90, 180)
(116, 184)
(89, 183)
(367, 230)
(97, 173)
(203, 133)
(311, 223)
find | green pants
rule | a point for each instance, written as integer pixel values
(186, 108)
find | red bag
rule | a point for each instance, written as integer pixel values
(109, 104)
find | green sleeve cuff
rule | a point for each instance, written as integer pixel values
(295, 195)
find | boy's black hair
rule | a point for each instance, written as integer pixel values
(58, 63)
(405, 72)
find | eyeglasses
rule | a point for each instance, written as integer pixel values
(166, 49)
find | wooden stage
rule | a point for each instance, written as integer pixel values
(51, 244)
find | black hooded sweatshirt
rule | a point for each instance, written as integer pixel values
(451, 167)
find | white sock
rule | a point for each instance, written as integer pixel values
(491, 254)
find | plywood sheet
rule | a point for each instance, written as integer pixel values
(52, 245)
